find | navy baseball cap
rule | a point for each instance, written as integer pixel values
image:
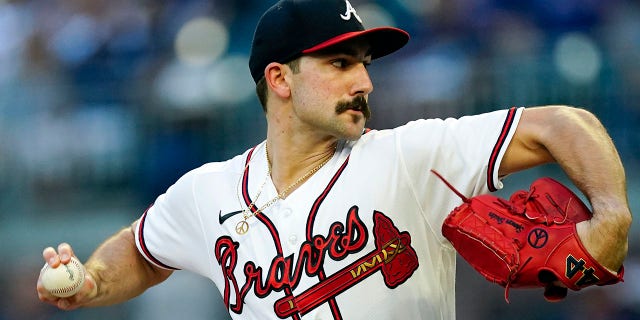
(291, 28)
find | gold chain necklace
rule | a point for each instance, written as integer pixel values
(242, 227)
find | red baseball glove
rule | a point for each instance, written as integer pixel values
(527, 241)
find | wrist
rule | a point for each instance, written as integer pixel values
(613, 214)
(605, 241)
(92, 279)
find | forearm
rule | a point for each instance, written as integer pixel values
(120, 272)
(578, 142)
(587, 154)
(581, 146)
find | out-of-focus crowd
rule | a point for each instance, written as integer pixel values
(105, 103)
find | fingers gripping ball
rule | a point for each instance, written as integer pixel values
(65, 280)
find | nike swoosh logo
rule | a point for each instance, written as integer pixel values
(224, 217)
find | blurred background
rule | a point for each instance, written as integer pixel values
(105, 103)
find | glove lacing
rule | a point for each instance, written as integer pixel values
(512, 277)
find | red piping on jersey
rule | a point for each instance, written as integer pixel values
(274, 231)
(143, 245)
(247, 198)
(506, 128)
(320, 199)
(245, 179)
(263, 218)
(312, 216)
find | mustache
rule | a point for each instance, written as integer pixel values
(359, 103)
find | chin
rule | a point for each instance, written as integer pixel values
(352, 130)
(353, 136)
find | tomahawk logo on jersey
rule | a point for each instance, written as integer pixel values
(393, 256)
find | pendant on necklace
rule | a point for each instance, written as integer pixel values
(242, 227)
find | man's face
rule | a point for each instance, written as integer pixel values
(330, 92)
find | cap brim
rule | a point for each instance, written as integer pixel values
(383, 40)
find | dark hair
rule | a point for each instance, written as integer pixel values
(262, 89)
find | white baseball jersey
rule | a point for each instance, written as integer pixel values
(360, 239)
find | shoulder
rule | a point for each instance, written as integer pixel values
(219, 169)
(446, 123)
(435, 130)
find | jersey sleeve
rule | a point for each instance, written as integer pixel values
(169, 234)
(465, 151)
(470, 147)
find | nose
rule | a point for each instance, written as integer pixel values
(362, 84)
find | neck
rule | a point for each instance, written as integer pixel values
(291, 165)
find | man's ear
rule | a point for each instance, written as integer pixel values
(275, 76)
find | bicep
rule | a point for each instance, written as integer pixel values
(527, 149)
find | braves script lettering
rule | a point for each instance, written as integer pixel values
(340, 241)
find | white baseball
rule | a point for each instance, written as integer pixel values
(65, 280)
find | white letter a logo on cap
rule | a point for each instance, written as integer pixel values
(350, 10)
